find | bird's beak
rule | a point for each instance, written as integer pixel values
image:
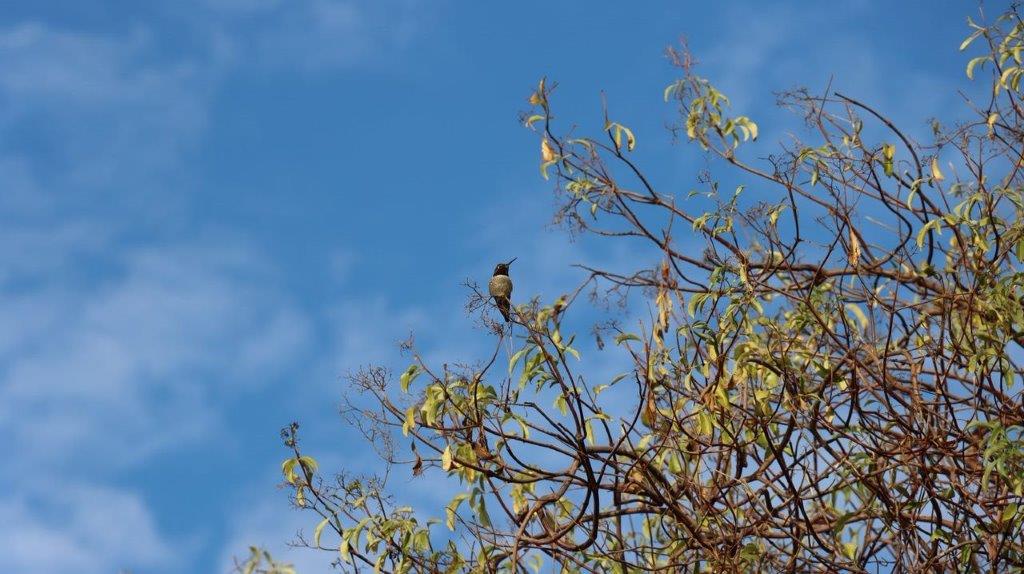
(511, 260)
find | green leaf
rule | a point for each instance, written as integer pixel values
(935, 224)
(1009, 512)
(750, 552)
(421, 540)
(623, 337)
(308, 463)
(408, 376)
(696, 302)
(888, 155)
(965, 555)
(561, 404)
(515, 358)
(722, 395)
(705, 424)
(480, 509)
(452, 508)
(318, 531)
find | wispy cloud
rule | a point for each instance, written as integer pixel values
(124, 368)
(78, 528)
(312, 35)
(101, 112)
(130, 335)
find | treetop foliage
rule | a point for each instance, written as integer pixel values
(826, 380)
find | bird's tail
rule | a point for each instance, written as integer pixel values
(504, 307)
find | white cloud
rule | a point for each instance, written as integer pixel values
(129, 367)
(313, 35)
(100, 380)
(111, 112)
(79, 528)
(125, 340)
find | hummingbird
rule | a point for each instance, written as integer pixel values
(500, 287)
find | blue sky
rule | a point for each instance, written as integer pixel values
(213, 209)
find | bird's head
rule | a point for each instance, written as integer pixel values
(502, 268)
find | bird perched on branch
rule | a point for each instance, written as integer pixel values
(500, 287)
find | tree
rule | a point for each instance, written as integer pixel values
(828, 383)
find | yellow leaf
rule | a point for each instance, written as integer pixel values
(410, 421)
(704, 422)
(547, 153)
(649, 414)
(888, 155)
(308, 464)
(967, 42)
(722, 396)
(630, 140)
(854, 248)
(532, 119)
(974, 62)
(857, 312)
(446, 458)
(343, 550)
(537, 98)
(936, 172)
(288, 469)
